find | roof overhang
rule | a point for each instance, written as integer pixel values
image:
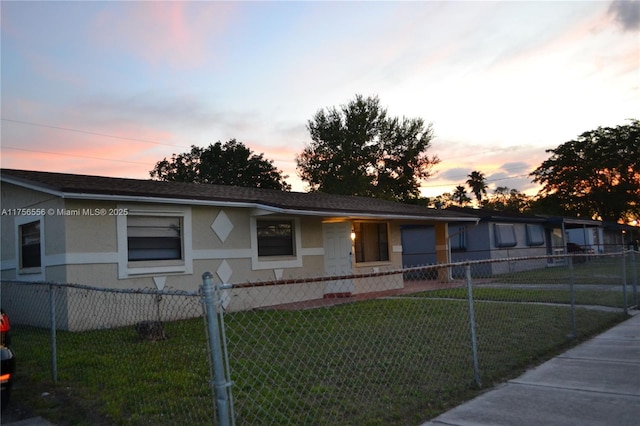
(258, 209)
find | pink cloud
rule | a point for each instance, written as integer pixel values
(178, 33)
(59, 150)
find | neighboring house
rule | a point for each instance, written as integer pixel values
(500, 235)
(607, 237)
(496, 235)
(128, 233)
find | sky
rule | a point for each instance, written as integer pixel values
(110, 88)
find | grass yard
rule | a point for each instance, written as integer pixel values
(607, 298)
(600, 271)
(378, 362)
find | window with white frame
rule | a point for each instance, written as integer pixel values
(154, 238)
(30, 254)
(505, 235)
(535, 235)
(275, 237)
(371, 241)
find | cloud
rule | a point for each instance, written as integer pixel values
(518, 167)
(626, 13)
(180, 34)
(454, 174)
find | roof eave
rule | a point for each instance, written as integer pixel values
(221, 203)
(263, 207)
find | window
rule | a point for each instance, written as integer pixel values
(535, 235)
(154, 238)
(275, 237)
(459, 239)
(505, 235)
(372, 242)
(30, 245)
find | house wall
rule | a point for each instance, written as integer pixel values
(93, 243)
(480, 243)
(32, 206)
(521, 249)
(83, 243)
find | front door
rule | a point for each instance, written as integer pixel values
(338, 258)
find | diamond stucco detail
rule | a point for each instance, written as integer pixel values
(224, 272)
(222, 226)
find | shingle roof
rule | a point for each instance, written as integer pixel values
(84, 186)
(497, 216)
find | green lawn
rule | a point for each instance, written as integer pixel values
(378, 362)
(601, 271)
(582, 297)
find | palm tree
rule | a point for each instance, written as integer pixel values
(460, 196)
(478, 185)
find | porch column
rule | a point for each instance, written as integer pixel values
(442, 249)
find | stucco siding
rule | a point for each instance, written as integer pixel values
(22, 206)
(92, 226)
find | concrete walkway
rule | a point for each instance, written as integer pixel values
(595, 383)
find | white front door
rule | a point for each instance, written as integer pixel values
(338, 258)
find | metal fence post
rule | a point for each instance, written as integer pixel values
(52, 324)
(216, 350)
(572, 297)
(634, 278)
(624, 282)
(472, 326)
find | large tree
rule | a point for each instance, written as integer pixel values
(477, 183)
(508, 200)
(358, 150)
(229, 164)
(597, 175)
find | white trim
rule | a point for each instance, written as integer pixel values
(36, 187)
(246, 253)
(81, 259)
(8, 264)
(294, 261)
(127, 269)
(64, 259)
(29, 274)
(216, 254)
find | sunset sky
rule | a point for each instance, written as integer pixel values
(110, 88)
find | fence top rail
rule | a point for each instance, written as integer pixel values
(291, 281)
(147, 290)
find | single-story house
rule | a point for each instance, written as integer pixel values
(133, 233)
(607, 237)
(496, 235)
(500, 235)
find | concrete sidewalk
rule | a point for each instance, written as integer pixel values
(595, 383)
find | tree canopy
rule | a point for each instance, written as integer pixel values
(477, 182)
(460, 196)
(229, 164)
(358, 149)
(597, 175)
(507, 200)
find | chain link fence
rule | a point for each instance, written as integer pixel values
(293, 353)
(111, 356)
